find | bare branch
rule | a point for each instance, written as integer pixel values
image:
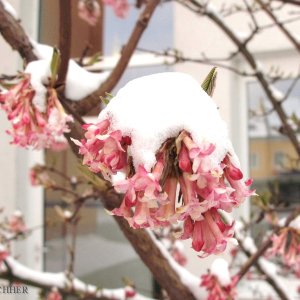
(281, 27)
(15, 35)
(65, 23)
(261, 77)
(93, 100)
(16, 272)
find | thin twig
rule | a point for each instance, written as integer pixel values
(65, 32)
(84, 106)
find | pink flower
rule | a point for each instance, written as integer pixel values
(187, 184)
(3, 255)
(30, 126)
(209, 235)
(54, 295)
(104, 150)
(16, 223)
(39, 176)
(216, 291)
(120, 7)
(287, 245)
(179, 257)
(129, 292)
(144, 193)
(89, 11)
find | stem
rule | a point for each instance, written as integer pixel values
(15, 35)
(65, 22)
(86, 105)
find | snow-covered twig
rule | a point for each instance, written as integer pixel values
(16, 272)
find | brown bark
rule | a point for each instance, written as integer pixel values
(15, 35)
(65, 34)
(93, 100)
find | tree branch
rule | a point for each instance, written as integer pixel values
(16, 272)
(281, 293)
(214, 17)
(281, 27)
(93, 100)
(15, 35)
(65, 32)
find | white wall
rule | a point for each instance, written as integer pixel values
(15, 189)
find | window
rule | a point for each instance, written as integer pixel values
(276, 153)
(254, 160)
(279, 159)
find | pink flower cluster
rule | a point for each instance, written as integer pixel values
(89, 11)
(16, 223)
(287, 245)
(120, 7)
(30, 126)
(215, 289)
(152, 197)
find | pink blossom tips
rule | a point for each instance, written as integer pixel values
(89, 11)
(217, 291)
(30, 126)
(175, 167)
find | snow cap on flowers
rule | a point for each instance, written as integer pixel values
(165, 134)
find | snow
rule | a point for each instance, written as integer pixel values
(268, 267)
(277, 95)
(153, 108)
(191, 281)
(40, 72)
(295, 223)
(60, 281)
(79, 82)
(67, 214)
(219, 268)
(18, 213)
(9, 8)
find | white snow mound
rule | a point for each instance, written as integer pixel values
(153, 108)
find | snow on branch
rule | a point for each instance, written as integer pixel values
(15, 271)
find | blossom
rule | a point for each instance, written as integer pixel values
(89, 11)
(38, 175)
(177, 171)
(120, 7)
(16, 223)
(103, 150)
(3, 255)
(287, 245)
(31, 126)
(209, 235)
(217, 291)
(54, 295)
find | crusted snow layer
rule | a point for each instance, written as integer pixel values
(188, 279)
(153, 108)
(219, 268)
(79, 82)
(9, 8)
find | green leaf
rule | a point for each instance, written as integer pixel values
(107, 98)
(209, 82)
(95, 58)
(54, 66)
(93, 178)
